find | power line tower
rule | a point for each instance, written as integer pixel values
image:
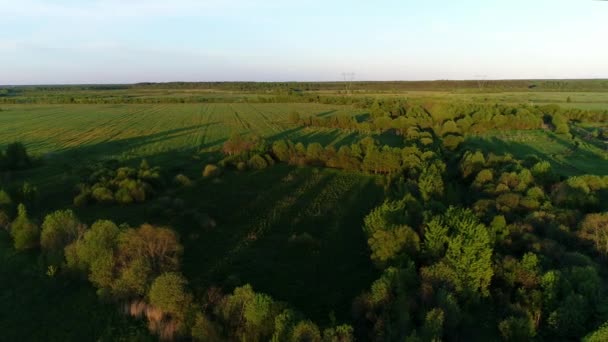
(481, 81)
(348, 81)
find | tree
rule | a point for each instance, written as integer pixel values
(517, 329)
(248, 314)
(599, 335)
(281, 150)
(306, 331)
(594, 228)
(24, 232)
(467, 264)
(159, 247)
(95, 252)
(314, 152)
(341, 333)
(168, 292)
(430, 182)
(59, 229)
(257, 162)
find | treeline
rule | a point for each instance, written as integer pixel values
(452, 120)
(444, 85)
(251, 152)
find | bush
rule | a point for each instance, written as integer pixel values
(183, 180)
(257, 162)
(211, 171)
(103, 195)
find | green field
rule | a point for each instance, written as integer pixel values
(567, 158)
(129, 131)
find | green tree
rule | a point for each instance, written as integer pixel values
(306, 331)
(59, 229)
(95, 253)
(517, 329)
(169, 293)
(467, 264)
(594, 228)
(24, 232)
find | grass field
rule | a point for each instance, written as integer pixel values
(127, 131)
(566, 158)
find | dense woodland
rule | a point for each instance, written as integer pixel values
(468, 244)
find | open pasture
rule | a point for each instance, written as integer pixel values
(132, 131)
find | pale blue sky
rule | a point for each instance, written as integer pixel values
(125, 41)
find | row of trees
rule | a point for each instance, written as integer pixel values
(365, 155)
(451, 119)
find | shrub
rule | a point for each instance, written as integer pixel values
(257, 162)
(241, 166)
(183, 180)
(102, 195)
(211, 171)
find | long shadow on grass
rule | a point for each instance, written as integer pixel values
(520, 150)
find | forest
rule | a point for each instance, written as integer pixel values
(389, 211)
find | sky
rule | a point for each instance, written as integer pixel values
(128, 41)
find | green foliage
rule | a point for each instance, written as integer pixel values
(249, 314)
(305, 331)
(594, 228)
(122, 185)
(59, 229)
(600, 335)
(257, 162)
(341, 333)
(431, 182)
(211, 171)
(24, 232)
(169, 293)
(517, 329)
(388, 237)
(467, 263)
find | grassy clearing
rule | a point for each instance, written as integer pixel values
(560, 151)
